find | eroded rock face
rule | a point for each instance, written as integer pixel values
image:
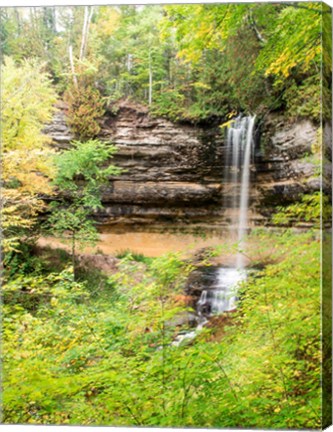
(286, 169)
(58, 130)
(173, 173)
(154, 192)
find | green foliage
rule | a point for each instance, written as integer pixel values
(267, 55)
(326, 63)
(73, 221)
(169, 103)
(127, 253)
(85, 109)
(327, 325)
(304, 100)
(308, 210)
(84, 348)
(279, 337)
(295, 41)
(83, 169)
(27, 99)
(81, 174)
(77, 358)
(188, 62)
(20, 261)
(29, 33)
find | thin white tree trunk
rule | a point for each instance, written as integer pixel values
(85, 30)
(71, 61)
(150, 97)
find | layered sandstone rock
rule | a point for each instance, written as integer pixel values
(174, 172)
(285, 166)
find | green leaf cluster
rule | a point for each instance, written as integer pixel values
(311, 209)
(27, 99)
(82, 171)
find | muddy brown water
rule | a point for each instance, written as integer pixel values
(151, 244)
(155, 243)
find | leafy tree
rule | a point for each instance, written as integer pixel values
(91, 353)
(85, 101)
(81, 173)
(191, 62)
(27, 104)
(30, 33)
(131, 52)
(85, 108)
(294, 42)
(272, 47)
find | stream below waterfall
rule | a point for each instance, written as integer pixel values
(218, 296)
(222, 296)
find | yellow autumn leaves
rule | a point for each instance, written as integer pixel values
(27, 105)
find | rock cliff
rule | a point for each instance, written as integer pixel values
(285, 166)
(173, 173)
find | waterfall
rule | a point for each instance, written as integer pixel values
(237, 175)
(221, 296)
(239, 150)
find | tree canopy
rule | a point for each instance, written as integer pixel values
(187, 62)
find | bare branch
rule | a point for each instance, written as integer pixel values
(254, 27)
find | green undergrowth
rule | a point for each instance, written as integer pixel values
(135, 256)
(106, 358)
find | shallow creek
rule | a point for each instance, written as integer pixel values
(151, 244)
(219, 295)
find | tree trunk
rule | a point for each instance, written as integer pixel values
(85, 30)
(71, 61)
(54, 20)
(18, 21)
(150, 97)
(254, 27)
(88, 26)
(32, 13)
(73, 255)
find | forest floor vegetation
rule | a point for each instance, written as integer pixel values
(98, 351)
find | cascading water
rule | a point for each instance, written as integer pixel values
(237, 171)
(222, 296)
(240, 143)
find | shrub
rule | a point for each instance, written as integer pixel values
(85, 107)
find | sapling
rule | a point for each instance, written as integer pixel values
(82, 172)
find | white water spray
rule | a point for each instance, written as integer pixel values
(239, 151)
